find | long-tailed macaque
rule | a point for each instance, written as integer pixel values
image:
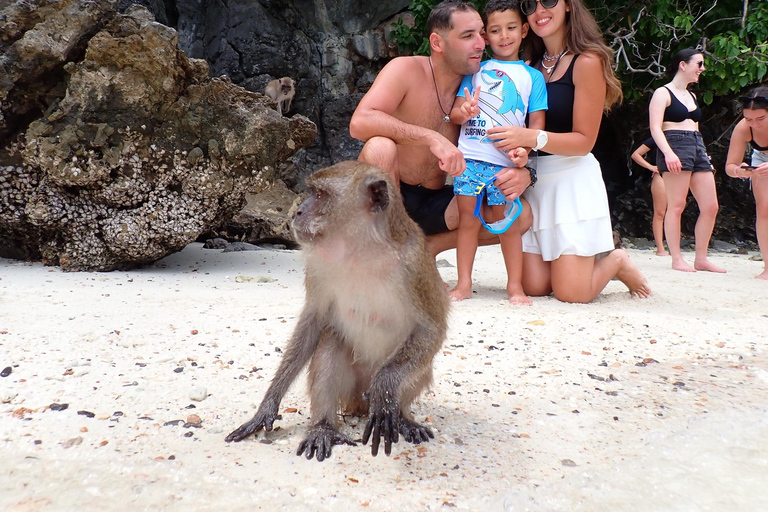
(374, 316)
(282, 91)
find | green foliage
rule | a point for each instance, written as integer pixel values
(414, 39)
(733, 35)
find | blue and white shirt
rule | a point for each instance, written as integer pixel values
(508, 91)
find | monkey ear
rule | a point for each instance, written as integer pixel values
(379, 195)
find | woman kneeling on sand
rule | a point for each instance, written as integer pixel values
(571, 218)
(753, 130)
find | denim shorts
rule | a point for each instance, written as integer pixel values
(473, 178)
(689, 148)
(759, 157)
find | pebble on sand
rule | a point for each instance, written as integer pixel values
(198, 394)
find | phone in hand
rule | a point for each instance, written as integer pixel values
(749, 167)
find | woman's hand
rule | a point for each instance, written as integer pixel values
(673, 163)
(760, 171)
(508, 138)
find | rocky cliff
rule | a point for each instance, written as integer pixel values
(116, 149)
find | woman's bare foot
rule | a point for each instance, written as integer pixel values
(631, 276)
(460, 292)
(708, 266)
(661, 252)
(681, 265)
(764, 274)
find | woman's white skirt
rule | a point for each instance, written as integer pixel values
(570, 208)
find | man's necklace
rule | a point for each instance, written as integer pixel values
(446, 115)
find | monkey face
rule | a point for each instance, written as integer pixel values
(344, 203)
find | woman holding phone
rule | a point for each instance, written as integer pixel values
(752, 131)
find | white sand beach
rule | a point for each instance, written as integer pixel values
(618, 405)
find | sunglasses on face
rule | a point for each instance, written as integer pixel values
(528, 7)
(700, 64)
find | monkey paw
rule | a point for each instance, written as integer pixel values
(415, 433)
(321, 439)
(382, 421)
(264, 418)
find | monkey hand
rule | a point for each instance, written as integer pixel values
(321, 439)
(415, 433)
(264, 418)
(383, 420)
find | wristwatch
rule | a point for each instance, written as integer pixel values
(534, 179)
(541, 140)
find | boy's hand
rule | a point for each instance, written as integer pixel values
(471, 107)
(519, 156)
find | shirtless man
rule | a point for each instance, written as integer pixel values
(403, 120)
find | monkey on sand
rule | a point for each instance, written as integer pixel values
(374, 316)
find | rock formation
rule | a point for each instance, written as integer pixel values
(115, 148)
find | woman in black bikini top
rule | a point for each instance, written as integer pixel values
(682, 158)
(676, 112)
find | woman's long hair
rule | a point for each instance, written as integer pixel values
(583, 36)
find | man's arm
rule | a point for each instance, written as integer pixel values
(375, 114)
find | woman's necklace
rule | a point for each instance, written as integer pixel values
(551, 68)
(547, 57)
(446, 115)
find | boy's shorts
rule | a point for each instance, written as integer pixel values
(474, 177)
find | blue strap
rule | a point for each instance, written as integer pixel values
(511, 213)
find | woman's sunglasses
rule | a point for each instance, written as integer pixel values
(754, 99)
(528, 7)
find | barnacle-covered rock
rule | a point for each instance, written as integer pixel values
(141, 152)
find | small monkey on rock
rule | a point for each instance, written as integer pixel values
(282, 91)
(374, 316)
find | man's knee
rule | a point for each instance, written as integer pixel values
(525, 220)
(380, 151)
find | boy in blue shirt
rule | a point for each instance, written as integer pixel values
(501, 93)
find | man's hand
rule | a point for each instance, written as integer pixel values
(512, 181)
(449, 158)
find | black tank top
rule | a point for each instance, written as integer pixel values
(560, 97)
(676, 112)
(754, 144)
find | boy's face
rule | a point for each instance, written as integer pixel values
(504, 33)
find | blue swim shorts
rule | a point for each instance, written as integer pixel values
(473, 178)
